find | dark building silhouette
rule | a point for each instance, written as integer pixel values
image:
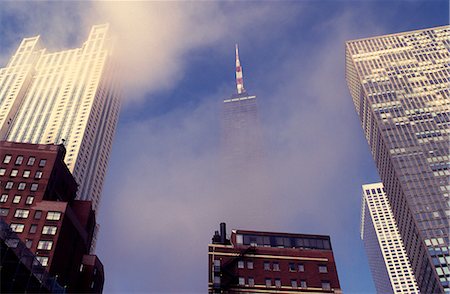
(38, 203)
(269, 262)
(20, 271)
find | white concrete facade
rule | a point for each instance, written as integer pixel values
(388, 261)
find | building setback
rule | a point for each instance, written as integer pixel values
(388, 261)
(38, 203)
(68, 96)
(399, 85)
(268, 262)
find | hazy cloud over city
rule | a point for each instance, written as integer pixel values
(163, 196)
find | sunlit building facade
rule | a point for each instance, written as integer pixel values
(388, 261)
(68, 97)
(400, 88)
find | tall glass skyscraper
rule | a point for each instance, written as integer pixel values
(68, 97)
(400, 88)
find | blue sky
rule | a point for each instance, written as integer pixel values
(161, 201)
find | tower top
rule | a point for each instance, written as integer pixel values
(239, 74)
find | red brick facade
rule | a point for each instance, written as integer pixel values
(38, 201)
(264, 262)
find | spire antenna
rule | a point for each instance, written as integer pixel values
(239, 74)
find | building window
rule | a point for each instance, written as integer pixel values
(45, 245)
(278, 283)
(26, 174)
(2, 171)
(21, 186)
(276, 266)
(294, 284)
(323, 269)
(301, 267)
(240, 264)
(9, 185)
(14, 173)
(38, 175)
(250, 264)
(303, 284)
(4, 211)
(31, 160)
(266, 266)
(33, 229)
(12, 243)
(53, 215)
(241, 281)
(216, 265)
(21, 213)
(291, 267)
(42, 260)
(216, 280)
(268, 282)
(42, 162)
(19, 160)
(7, 158)
(38, 214)
(251, 282)
(326, 285)
(18, 228)
(34, 187)
(16, 199)
(30, 200)
(28, 243)
(4, 198)
(49, 230)
(239, 239)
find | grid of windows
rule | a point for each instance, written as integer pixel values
(74, 96)
(377, 214)
(399, 85)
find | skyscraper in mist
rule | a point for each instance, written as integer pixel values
(400, 88)
(68, 96)
(241, 137)
(388, 261)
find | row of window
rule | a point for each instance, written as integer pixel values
(282, 242)
(21, 186)
(295, 284)
(42, 244)
(293, 267)
(26, 173)
(17, 198)
(24, 213)
(19, 160)
(46, 230)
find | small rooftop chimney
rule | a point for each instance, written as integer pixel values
(223, 233)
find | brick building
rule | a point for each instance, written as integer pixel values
(38, 202)
(267, 262)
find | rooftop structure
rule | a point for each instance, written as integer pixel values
(267, 262)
